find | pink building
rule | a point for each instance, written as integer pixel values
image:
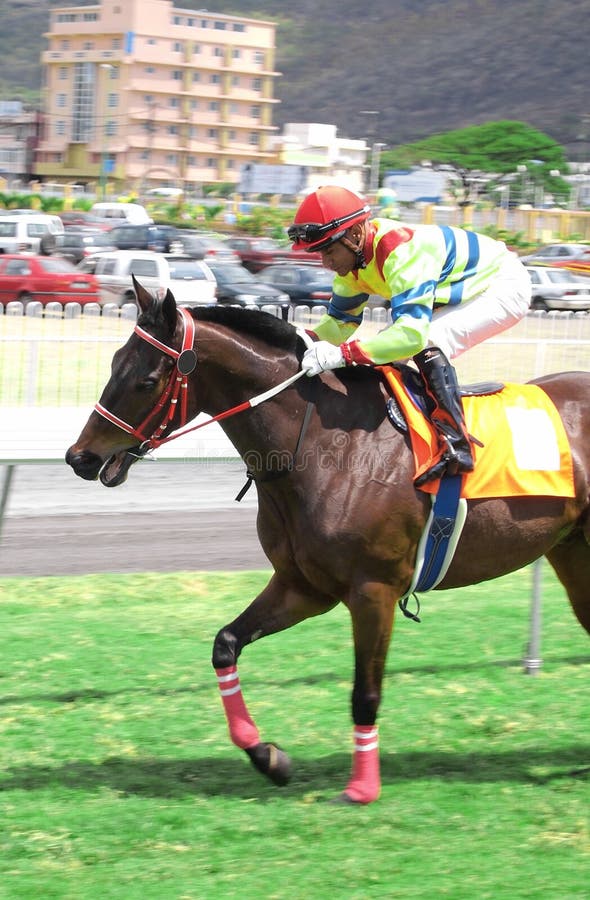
(141, 94)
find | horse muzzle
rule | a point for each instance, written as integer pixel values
(112, 472)
(85, 464)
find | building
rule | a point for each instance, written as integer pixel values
(326, 158)
(141, 94)
(19, 135)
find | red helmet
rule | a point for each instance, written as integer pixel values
(324, 216)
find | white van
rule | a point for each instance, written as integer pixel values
(121, 213)
(191, 280)
(24, 232)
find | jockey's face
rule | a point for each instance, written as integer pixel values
(340, 257)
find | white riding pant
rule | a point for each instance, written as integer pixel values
(456, 329)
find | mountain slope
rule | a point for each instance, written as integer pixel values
(425, 65)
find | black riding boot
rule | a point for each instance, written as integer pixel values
(441, 384)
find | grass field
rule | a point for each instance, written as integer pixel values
(117, 779)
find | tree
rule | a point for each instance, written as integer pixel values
(484, 158)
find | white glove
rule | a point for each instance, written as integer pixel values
(322, 356)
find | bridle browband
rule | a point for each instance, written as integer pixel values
(186, 362)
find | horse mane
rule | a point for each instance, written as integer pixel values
(269, 328)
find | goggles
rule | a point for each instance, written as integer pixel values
(312, 232)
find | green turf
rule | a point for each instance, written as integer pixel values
(117, 779)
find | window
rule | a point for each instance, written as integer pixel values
(113, 101)
(215, 79)
(174, 102)
(238, 26)
(196, 76)
(255, 112)
(177, 47)
(213, 106)
(83, 108)
(212, 133)
(259, 57)
(253, 138)
(60, 127)
(61, 100)
(219, 26)
(172, 129)
(257, 84)
(177, 75)
(146, 267)
(63, 73)
(218, 52)
(17, 267)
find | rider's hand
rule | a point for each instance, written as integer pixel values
(322, 356)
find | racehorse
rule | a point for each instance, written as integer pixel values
(338, 516)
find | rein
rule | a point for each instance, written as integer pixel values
(186, 362)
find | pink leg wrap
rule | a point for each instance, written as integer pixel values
(242, 729)
(365, 782)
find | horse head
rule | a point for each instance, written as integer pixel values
(115, 435)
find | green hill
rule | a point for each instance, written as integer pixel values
(425, 65)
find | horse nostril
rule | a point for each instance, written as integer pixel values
(85, 464)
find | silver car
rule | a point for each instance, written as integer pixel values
(558, 289)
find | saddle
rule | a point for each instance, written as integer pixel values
(415, 388)
(521, 449)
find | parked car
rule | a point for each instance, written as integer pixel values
(310, 285)
(76, 245)
(32, 232)
(236, 285)
(77, 218)
(133, 213)
(206, 246)
(191, 280)
(160, 238)
(258, 252)
(28, 277)
(558, 253)
(558, 289)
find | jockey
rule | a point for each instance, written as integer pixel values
(449, 289)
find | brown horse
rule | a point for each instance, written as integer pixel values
(338, 516)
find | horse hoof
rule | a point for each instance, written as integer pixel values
(344, 799)
(272, 762)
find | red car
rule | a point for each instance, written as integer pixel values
(26, 277)
(258, 252)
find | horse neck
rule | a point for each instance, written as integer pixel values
(234, 368)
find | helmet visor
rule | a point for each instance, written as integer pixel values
(312, 232)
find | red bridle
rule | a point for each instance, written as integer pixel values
(186, 361)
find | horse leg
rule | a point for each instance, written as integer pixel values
(372, 610)
(571, 562)
(279, 606)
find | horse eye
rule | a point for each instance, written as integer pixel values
(148, 384)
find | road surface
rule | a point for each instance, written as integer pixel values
(167, 517)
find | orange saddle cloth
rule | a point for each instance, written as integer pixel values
(525, 449)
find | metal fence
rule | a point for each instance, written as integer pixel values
(61, 356)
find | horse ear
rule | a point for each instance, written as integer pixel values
(144, 299)
(169, 310)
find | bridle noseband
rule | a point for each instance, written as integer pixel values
(186, 361)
